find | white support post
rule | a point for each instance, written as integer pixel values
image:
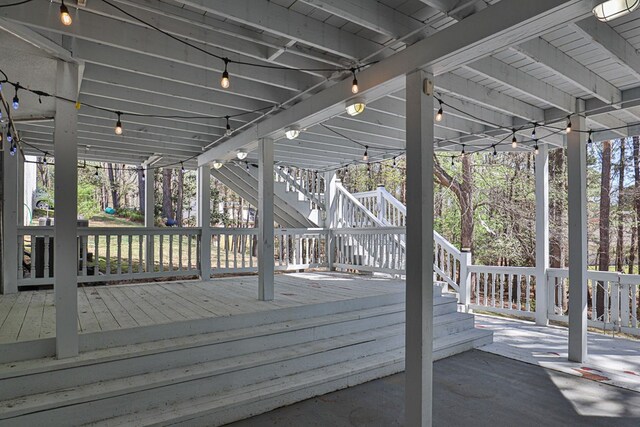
(265, 214)
(330, 180)
(149, 214)
(542, 235)
(465, 280)
(577, 171)
(20, 205)
(9, 221)
(66, 199)
(419, 282)
(204, 220)
(380, 201)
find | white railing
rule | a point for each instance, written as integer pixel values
(613, 299)
(375, 250)
(116, 254)
(107, 254)
(389, 210)
(234, 250)
(310, 184)
(506, 290)
(350, 213)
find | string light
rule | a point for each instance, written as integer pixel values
(568, 130)
(247, 165)
(365, 157)
(533, 132)
(44, 159)
(143, 176)
(9, 137)
(118, 129)
(495, 152)
(440, 112)
(354, 84)
(65, 17)
(589, 140)
(514, 141)
(229, 131)
(13, 149)
(535, 148)
(394, 161)
(16, 101)
(182, 168)
(224, 81)
(452, 163)
(97, 174)
(463, 153)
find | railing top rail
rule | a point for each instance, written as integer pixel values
(444, 242)
(392, 200)
(359, 205)
(501, 269)
(295, 184)
(370, 230)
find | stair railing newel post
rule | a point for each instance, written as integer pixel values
(204, 220)
(465, 279)
(331, 213)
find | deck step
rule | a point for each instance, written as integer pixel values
(218, 377)
(37, 376)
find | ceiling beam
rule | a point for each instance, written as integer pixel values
(492, 29)
(618, 47)
(543, 52)
(370, 14)
(524, 83)
(278, 20)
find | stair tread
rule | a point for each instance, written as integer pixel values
(244, 395)
(156, 379)
(134, 350)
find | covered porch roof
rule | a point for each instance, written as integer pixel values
(515, 66)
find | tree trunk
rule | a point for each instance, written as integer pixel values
(141, 192)
(556, 210)
(620, 239)
(605, 206)
(179, 202)
(167, 207)
(466, 204)
(113, 186)
(636, 170)
(632, 249)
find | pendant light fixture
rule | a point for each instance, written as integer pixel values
(65, 17)
(612, 9)
(355, 107)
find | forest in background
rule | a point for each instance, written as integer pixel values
(484, 202)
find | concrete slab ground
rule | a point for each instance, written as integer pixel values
(471, 389)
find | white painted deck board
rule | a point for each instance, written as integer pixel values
(31, 315)
(614, 361)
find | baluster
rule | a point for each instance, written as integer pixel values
(130, 255)
(226, 250)
(528, 293)
(140, 238)
(509, 283)
(34, 258)
(161, 239)
(634, 305)
(624, 304)
(21, 257)
(47, 267)
(108, 241)
(119, 259)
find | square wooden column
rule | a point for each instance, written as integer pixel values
(66, 199)
(419, 281)
(330, 204)
(149, 213)
(265, 219)
(9, 220)
(204, 220)
(577, 192)
(542, 235)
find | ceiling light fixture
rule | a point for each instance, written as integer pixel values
(241, 154)
(292, 132)
(355, 107)
(612, 9)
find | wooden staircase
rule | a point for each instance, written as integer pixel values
(218, 377)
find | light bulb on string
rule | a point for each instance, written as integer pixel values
(9, 136)
(568, 129)
(44, 159)
(65, 17)
(533, 132)
(229, 131)
(354, 84)
(463, 153)
(365, 157)
(514, 141)
(589, 140)
(394, 161)
(535, 148)
(13, 149)
(452, 162)
(440, 112)
(182, 169)
(97, 174)
(495, 152)
(118, 128)
(16, 101)
(247, 165)
(143, 177)
(224, 81)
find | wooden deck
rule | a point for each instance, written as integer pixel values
(30, 315)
